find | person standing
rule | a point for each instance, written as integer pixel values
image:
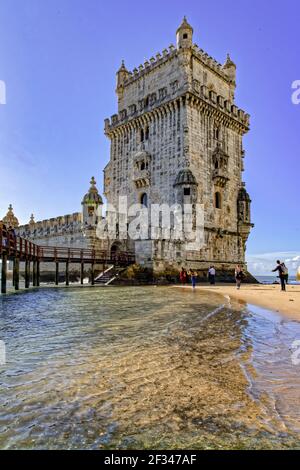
(238, 274)
(281, 273)
(193, 278)
(212, 275)
(183, 276)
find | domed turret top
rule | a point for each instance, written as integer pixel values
(185, 25)
(122, 75)
(123, 67)
(229, 62)
(10, 220)
(93, 196)
(230, 69)
(185, 177)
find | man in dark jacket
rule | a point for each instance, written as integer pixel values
(281, 272)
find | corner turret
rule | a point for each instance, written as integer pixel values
(230, 69)
(122, 75)
(184, 35)
(244, 214)
(92, 205)
(10, 220)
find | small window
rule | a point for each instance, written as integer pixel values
(187, 191)
(217, 200)
(144, 200)
(142, 166)
(142, 135)
(147, 133)
(185, 36)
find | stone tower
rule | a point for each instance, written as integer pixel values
(178, 136)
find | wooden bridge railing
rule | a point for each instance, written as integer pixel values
(16, 249)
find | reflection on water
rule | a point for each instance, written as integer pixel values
(144, 367)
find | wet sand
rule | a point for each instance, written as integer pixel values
(267, 296)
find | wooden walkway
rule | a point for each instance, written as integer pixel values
(16, 249)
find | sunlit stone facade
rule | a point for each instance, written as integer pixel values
(178, 137)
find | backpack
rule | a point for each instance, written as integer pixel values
(285, 270)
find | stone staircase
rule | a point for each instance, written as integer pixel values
(109, 275)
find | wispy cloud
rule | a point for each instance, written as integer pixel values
(262, 264)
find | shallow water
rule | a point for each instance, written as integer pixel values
(145, 367)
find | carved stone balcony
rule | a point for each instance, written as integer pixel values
(220, 178)
(141, 178)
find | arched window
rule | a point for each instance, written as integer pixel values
(218, 201)
(144, 200)
(147, 133)
(217, 133)
(142, 166)
(142, 135)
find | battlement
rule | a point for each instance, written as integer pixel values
(168, 54)
(69, 223)
(155, 100)
(152, 63)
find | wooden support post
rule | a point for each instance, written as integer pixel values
(13, 276)
(4, 273)
(93, 274)
(34, 273)
(67, 273)
(27, 274)
(16, 273)
(56, 273)
(37, 273)
(81, 272)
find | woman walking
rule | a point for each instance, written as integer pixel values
(238, 276)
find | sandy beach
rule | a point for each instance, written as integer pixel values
(267, 296)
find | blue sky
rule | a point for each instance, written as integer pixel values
(58, 59)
